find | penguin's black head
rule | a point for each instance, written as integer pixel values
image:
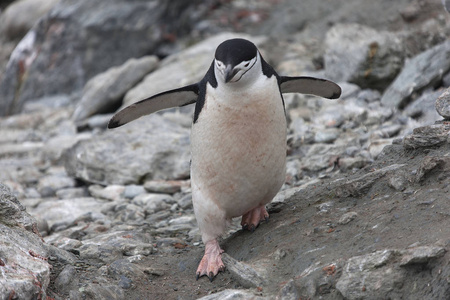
(234, 58)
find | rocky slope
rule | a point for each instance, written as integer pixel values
(87, 213)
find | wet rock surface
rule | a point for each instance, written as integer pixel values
(90, 213)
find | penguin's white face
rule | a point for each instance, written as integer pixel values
(237, 63)
(229, 73)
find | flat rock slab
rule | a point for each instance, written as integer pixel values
(107, 89)
(149, 148)
(427, 136)
(418, 73)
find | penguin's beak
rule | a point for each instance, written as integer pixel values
(229, 73)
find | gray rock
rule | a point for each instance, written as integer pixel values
(446, 4)
(328, 135)
(97, 121)
(153, 202)
(70, 193)
(66, 279)
(377, 114)
(244, 273)
(182, 228)
(123, 268)
(73, 38)
(130, 213)
(12, 212)
(443, 104)
(423, 108)
(53, 101)
(164, 186)
(349, 90)
(440, 164)
(350, 163)
(321, 156)
(289, 291)
(377, 146)
(65, 211)
(369, 95)
(369, 275)
(324, 208)
(362, 55)
(386, 131)
(20, 149)
(149, 148)
(397, 181)
(20, 16)
(231, 294)
(106, 90)
(446, 79)
(102, 291)
(360, 185)
(14, 135)
(111, 192)
(427, 136)
(48, 185)
(190, 220)
(347, 218)
(185, 202)
(54, 147)
(293, 171)
(421, 255)
(132, 191)
(23, 255)
(418, 73)
(64, 243)
(109, 247)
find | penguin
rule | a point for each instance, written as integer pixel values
(238, 139)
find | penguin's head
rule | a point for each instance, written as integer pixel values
(236, 60)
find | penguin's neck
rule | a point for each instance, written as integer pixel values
(235, 97)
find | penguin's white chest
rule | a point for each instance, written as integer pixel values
(238, 147)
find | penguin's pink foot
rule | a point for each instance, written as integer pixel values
(211, 263)
(251, 219)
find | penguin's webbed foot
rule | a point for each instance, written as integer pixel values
(211, 263)
(251, 219)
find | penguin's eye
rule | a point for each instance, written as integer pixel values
(247, 64)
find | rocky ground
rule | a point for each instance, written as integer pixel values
(90, 213)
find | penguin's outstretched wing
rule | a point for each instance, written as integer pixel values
(310, 85)
(173, 98)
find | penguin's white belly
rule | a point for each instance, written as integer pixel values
(239, 149)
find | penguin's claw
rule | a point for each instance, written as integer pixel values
(251, 219)
(211, 263)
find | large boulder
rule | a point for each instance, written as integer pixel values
(106, 90)
(78, 39)
(362, 55)
(23, 256)
(421, 71)
(21, 15)
(149, 148)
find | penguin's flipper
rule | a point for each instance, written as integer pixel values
(310, 85)
(173, 98)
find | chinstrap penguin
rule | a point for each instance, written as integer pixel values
(238, 139)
